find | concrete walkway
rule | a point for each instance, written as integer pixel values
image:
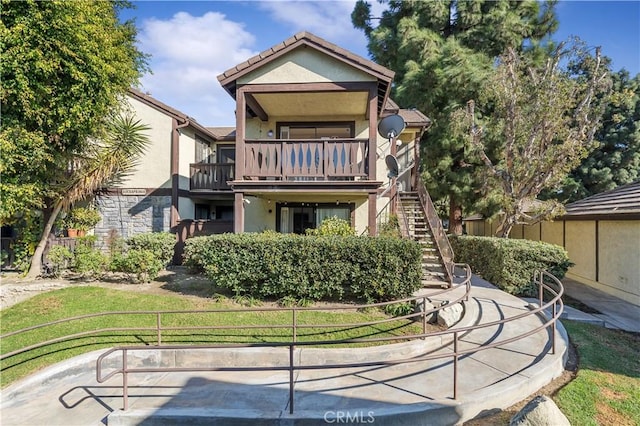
(614, 312)
(411, 393)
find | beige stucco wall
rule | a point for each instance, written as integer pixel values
(580, 243)
(304, 66)
(552, 232)
(532, 232)
(256, 215)
(153, 170)
(619, 258)
(186, 156)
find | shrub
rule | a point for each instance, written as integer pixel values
(308, 267)
(391, 228)
(88, 261)
(144, 264)
(60, 258)
(510, 264)
(160, 243)
(333, 226)
(83, 218)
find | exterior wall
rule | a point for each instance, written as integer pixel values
(131, 215)
(580, 238)
(553, 232)
(186, 208)
(154, 169)
(186, 156)
(257, 217)
(304, 66)
(619, 258)
(362, 215)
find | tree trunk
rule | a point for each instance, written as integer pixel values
(505, 227)
(455, 217)
(36, 261)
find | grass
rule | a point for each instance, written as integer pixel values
(76, 301)
(606, 390)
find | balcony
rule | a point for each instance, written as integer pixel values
(211, 176)
(306, 160)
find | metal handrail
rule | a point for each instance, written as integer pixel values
(545, 282)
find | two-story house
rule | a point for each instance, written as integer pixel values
(305, 147)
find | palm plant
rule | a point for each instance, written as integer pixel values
(104, 163)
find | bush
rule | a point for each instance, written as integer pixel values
(60, 258)
(88, 261)
(308, 267)
(144, 264)
(160, 243)
(510, 264)
(391, 228)
(333, 226)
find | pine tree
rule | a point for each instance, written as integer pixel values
(616, 160)
(442, 52)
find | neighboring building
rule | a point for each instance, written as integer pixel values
(304, 147)
(601, 233)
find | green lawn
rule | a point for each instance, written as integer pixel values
(606, 390)
(75, 301)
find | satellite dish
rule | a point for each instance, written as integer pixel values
(391, 126)
(392, 165)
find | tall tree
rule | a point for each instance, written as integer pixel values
(66, 65)
(104, 163)
(544, 120)
(616, 160)
(442, 52)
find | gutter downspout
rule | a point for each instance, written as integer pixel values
(174, 215)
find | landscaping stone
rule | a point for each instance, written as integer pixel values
(450, 314)
(540, 411)
(421, 307)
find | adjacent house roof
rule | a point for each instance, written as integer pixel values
(622, 202)
(171, 112)
(412, 117)
(223, 133)
(304, 38)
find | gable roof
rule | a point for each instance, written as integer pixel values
(384, 75)
(621, 202)
(170, 111)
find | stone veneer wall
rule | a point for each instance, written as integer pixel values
(131, 215)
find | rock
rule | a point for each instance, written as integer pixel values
(420, 307)
(450, 314)
(540, 411)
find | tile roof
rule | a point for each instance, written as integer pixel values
(305, 38)
(411, 116)
(223, 133)
(621, 201)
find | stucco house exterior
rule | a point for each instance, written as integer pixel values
(304, 147)
(601, 233)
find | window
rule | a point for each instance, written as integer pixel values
(202, 212)
(226, 154)
(303, 130)
(298, 217)
(203, 151)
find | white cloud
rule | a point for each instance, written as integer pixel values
(188, 53)
(330, 20)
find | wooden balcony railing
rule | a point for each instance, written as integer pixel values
(319, 159)
(211, 176)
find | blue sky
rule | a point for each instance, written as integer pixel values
(192, 42)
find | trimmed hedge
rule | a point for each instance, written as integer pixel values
(160, 243)
(272, 265)
(508, 263)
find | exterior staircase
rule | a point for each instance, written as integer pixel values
(437, 256)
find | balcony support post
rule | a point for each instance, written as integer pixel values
(238, 213)
(373, 212)
(373, 131)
